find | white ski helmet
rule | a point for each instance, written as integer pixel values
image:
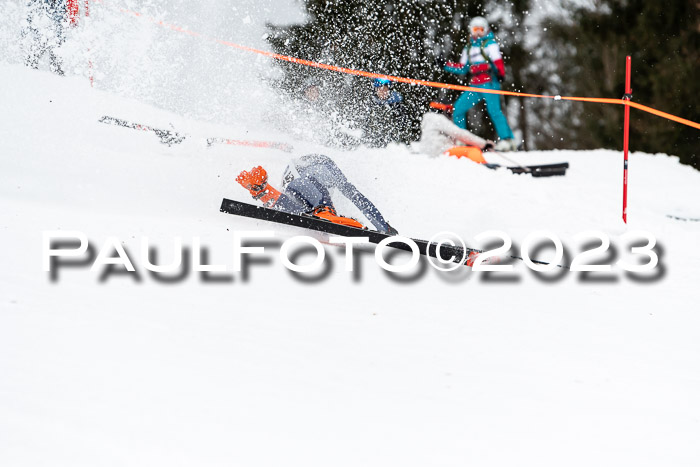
(479, 22)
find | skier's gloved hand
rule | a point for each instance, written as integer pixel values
(254, 181)
(440, 61)
(488, 146)
(501, 77)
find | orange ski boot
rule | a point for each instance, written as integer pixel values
(471, 258)
(328, 213)
(255, 182)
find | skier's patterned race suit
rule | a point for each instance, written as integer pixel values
(307, 183)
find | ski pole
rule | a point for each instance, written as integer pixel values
(524, 168)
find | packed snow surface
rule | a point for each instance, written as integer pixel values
(340, 368)
(352, 369)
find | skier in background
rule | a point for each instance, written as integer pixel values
(313, 92)
(481, 59)
(387, 119)
(307, 183)
(45, 30)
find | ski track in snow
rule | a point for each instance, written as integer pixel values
(274, 371)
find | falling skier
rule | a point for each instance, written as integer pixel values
(306, 183)
(439, 135)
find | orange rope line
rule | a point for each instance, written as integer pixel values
(419, 82)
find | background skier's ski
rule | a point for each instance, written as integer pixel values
(166, 136)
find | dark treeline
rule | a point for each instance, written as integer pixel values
(579, 52)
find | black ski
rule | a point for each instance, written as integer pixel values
(166, 136)
(171, 137)
(546, 170)
(314, 223)
(458, 254)
(684, 219)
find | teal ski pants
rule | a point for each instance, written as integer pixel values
(493, 106)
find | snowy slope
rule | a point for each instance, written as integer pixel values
(347, 370)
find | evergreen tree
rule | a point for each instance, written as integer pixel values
(580, 52)
(663, 39)
(395, 37)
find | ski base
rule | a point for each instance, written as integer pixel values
(458, 255)
(546, 170)
(426, 248)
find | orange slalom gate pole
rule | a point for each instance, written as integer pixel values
(626, 139)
